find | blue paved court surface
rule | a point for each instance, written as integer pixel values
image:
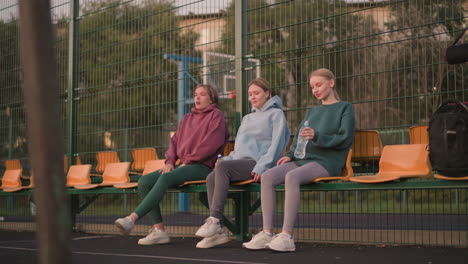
(20, 247)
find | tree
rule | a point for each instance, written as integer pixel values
(423, 29)
(405, 78)
(9, 63)
(125, 84)
(294, 38)
(392, 72)
(11, 108)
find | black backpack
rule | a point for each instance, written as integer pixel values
(448, 139)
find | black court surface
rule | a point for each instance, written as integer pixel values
(20, 247)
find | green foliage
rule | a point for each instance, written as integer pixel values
(9, 63)
(401, 77)
(125, 86)
(423, 29)
(124, 81)
(11, 99)
(387, 56)
(294, 38)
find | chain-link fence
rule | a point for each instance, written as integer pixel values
(127, 70)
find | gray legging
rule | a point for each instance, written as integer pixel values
(293, 176)
(218, 181)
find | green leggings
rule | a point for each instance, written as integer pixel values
(153, 186)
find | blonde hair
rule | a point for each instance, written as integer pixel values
(212, 92)
(262, 83)
(327, 74)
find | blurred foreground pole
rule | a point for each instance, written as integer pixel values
(45, 138)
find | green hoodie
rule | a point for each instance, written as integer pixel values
(334, 133)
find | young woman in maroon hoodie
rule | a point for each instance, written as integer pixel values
(201, 136)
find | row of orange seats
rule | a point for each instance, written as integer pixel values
(108, 167)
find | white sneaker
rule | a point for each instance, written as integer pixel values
(210, 228)
(125, 225)
(259, 241)
(212, 241)
(282, 242)
(155, 237)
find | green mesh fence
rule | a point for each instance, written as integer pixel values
(127, 71)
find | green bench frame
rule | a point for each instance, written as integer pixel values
(243, 204)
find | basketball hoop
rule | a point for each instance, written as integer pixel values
(219, 72)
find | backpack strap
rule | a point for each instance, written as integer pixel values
(451, 102)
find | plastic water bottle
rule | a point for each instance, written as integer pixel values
(217, 159)
(301, 144)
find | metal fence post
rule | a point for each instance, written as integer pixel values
(45, 132)
(10, 134)
(240, 47)
(11, 199)
(72, 83)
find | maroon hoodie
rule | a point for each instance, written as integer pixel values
(201, 136)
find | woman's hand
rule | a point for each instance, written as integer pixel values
(283, 160)
(308, 133)
(167, 168)
(255, 176)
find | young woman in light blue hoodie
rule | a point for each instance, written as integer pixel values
(260, 142)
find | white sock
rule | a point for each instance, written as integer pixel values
(215, 219)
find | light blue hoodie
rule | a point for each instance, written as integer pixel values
(263, 136)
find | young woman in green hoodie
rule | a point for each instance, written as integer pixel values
(260, 142)
(329, 137)
(201, 135)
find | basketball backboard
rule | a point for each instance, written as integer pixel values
(219, 71)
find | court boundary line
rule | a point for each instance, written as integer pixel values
(90, 237)
(144, 256)
(14, 241)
